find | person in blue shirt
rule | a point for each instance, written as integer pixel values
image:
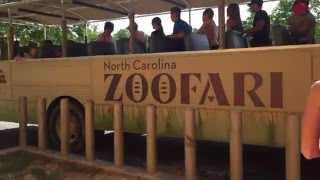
(180, 29)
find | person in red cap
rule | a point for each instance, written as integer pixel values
(302, 23)
(260, 30)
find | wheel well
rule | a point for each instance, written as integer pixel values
(56, 102)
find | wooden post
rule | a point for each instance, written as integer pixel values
(190, 145)
(118, 135)
(23, 122)
(236, 169)
(64, 126)
(89, 125)
(42, 124)
(132, 34)
(10, 38)
(222, 34)
(64, 31)
(293, 147)
(151, 139)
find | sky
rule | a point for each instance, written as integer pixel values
(144, 23)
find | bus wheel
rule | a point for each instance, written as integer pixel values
(76, 127)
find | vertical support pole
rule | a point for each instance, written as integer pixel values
(86, 33)
(236, 169)
(190, 16)
(190, 145)
(42, 124)
(293, 147)
(64, 31)
(222, 30)
(89, 133)
(23, 121)
(151, 139)
(64, 127)
(118, 135)
(45, 32)
(132, 34)
(132, 31)
(10, 37)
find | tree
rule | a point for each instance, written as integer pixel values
(35, 33)
(248, 22)
(280, 14)
(122, 33)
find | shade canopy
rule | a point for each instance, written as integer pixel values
(48, 12)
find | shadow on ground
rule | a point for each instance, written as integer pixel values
(260, 163)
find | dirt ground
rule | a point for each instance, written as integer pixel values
(259, 163)
(20, 166)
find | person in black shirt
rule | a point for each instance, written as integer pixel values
(260, 31)
(156, 24)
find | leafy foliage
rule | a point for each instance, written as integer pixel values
(248, 22)
(35, 33)
(122, 33)
(281, 13)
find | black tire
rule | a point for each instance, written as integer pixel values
(77, 118)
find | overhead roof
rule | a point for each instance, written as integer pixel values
(48, 12)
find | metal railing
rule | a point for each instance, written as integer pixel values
(236, 161)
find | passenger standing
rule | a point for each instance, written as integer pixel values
(234, 21)
(209, 28)
(106, 35)
(260, 30)
(158, 29)
(302, 24)
(180, 29)
(140, 36)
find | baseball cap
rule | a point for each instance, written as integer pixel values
(259, 2)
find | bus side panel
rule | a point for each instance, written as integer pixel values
(266, 84)
(316, 66)
(51, 79)
(8, 108)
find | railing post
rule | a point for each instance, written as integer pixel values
(42, 124)
(293, 147)
(151, 139)
(64, 126)
(190, 145)
(118, 135)
(23, 121)
(89, 133)
(236, 164)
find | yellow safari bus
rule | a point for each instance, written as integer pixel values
(266, 83)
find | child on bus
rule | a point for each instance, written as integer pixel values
(32, 53)
(106, 35)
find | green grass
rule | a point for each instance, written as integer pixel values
(17, 165)
(41, 174)
(14, 162)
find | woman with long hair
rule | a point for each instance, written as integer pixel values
(234, 21)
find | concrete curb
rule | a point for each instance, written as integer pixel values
(80, 161)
